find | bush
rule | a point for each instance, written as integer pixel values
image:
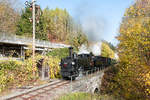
(14, 72)
(108, 79)
(53, 63)
(126, 81)
(17, 73)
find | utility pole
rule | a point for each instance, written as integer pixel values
(35, 11)
(33, 42)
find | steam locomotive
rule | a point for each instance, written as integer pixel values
(77, 63)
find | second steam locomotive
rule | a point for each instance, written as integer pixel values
(76, 63)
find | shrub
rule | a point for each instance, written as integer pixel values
(14, 72)
(53, 63)
(17, 73)
(108, 79)
(127, 82)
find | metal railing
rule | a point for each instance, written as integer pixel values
(85, 75)
(9, 38)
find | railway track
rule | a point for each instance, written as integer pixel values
(48, 91)
(44, 92)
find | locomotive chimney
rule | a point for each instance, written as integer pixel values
(71, 52)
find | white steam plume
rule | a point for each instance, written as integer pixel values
(83, 49)
(95, 48)
(93, 25)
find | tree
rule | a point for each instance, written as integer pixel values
(134, 54)
(134, 35)
(24, 25)
(56, 23)
(78, 40)
(106, 51)
(60, 27)
(8, 18)
(110, 45)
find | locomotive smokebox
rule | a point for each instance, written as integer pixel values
(71, 52)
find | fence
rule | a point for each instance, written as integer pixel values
(85, 76)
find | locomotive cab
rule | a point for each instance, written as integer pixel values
(85, 61)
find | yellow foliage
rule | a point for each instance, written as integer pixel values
(134, 53)
(17, 72)
(146, 78)
(28, 52)
(106, 51)
(53, 63)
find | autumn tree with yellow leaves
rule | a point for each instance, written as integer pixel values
(106, 51)
(132, 79)
(8, 16)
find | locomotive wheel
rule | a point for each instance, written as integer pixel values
(73, 78)
(65, 78)
(69, 78)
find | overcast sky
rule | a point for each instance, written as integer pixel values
(107, 14)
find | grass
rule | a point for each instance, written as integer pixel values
(85, 96)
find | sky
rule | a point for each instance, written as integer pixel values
(101, 17)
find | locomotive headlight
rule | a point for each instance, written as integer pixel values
(59, 64)
(73, 63)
